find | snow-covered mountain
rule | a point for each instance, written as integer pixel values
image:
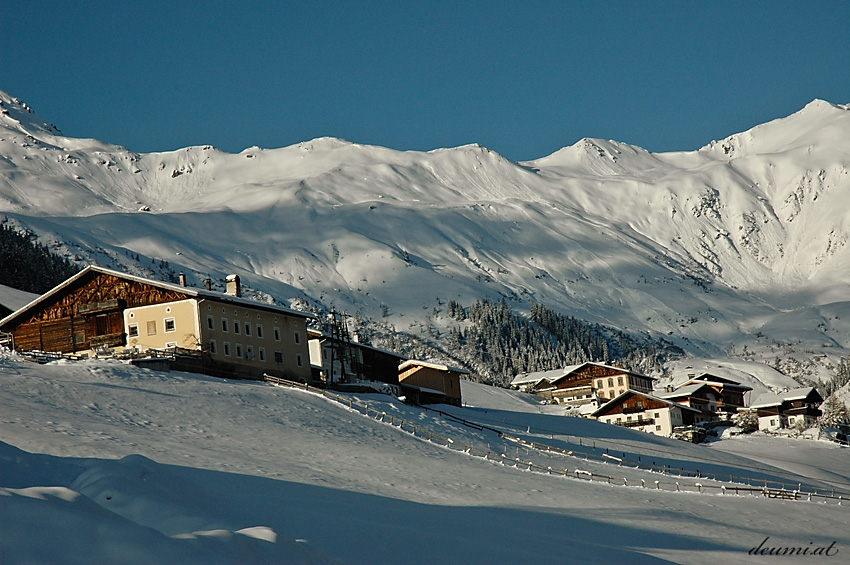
(736, 249)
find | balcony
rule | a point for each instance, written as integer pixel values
(636, 423)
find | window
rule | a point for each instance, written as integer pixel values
(226, 349)
(277, 334)
(299, 360)
(262, 353)
(639, 403)
(249, 352)
(610, 382)
(297, 337)
(248, 329)
(133, 330)
(236, 326)
(657, 428)
(239, 350)
(259, 331)
(620, 381)
(278, 357)
(171, 344)
(224, 324)
(170, 325)
(152, 327)
(210, 322)
(212, 346)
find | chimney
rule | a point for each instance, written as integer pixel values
(208, 283)
(182, 279)
(234, 287)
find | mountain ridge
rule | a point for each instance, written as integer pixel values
(710, 248)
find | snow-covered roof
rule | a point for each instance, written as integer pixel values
(437, 366)
(15, 299)
(708, 378)
(188, 290)
(687, 390)
(557, 374)
(619, 398)
(775, 399)
(538, 376)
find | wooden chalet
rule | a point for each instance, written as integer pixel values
(99, 309)
(585, 383)
(732, 393)
(647, 413)
(699, 396)
(788, 409)
(354, 363)
(422, 382)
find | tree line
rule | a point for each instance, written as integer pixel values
(28, 265)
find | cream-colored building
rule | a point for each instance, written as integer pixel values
(251, 337)
(645, 412)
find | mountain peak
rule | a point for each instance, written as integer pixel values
(17, 114)
(818, 123)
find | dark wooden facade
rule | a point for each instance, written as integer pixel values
(731, 392)
(583, 376)
(84, 313)
(632, 403)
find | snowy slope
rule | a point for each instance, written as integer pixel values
(104, 462)
(738, 243)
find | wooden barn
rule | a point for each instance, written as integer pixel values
(426, 383)
(99, 309)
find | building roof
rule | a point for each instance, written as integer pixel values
(687, 390)
(187, 290)
(619, 398)
(537, 376)
(437, 366)
(316, 334)
(555, 375)
(708, 378)
(769, 399)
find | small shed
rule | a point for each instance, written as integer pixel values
(426, 383)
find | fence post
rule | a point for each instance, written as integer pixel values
(657, 485)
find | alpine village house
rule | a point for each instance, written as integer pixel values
(229, 335)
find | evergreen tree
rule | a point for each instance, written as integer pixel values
(28, 265)
(835, 413)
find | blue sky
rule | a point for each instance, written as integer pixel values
(522, 78)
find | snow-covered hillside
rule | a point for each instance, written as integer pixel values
(108, 463)
(739, 243)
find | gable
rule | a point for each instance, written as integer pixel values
(90, 293)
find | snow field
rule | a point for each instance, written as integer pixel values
(177, 466)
